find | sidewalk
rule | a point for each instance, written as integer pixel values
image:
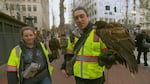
(118, 74)
(3, 79)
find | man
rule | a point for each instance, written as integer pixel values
(86, 69)
(137, 30)
(140, 37)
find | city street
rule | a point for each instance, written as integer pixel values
(116, 75)
(47, 19)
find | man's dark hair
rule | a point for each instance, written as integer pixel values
(80, 8)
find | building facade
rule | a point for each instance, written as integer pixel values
(145, 14)
(127, 12)
(36, 11)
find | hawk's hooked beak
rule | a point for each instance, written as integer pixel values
(94, 26)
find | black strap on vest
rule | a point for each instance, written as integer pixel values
(81, 41)
(83, 38)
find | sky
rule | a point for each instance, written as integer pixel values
(55, 8)
(54, 5)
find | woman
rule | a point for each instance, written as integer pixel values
(29, 62)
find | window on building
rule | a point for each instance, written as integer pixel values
(95, 12)
(105, 13)
(29, 0)
(18, 7)
(110, 13)
(29, 7)
(7, 6)
(34, 0)
(24, 19)
(34, 8)
(35, 19)
(142, 19)
(107, 7)
(12, 7)
(23, 7)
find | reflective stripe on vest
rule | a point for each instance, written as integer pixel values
(69, 52)
(11, 68)
(104, 49)
(87, 58)
(17, 50)
(95, 37)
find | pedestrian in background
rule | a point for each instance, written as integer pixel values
(137, 30)
(140, 37)
(28, 62)
(86, 69)
(39, 36)
(63, 43)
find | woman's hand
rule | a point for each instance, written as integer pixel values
(64, 73)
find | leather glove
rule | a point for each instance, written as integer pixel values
(107, 58)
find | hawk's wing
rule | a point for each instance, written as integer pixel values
(118, 39)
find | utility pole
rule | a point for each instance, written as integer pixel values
(126, 16)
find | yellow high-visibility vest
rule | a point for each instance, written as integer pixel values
(86, 65)
(70, 47)
(14, 60)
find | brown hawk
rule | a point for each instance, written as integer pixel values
(54, 46)
(119, 43)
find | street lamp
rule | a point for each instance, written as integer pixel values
(29, 21)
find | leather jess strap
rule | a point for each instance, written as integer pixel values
(87, 58)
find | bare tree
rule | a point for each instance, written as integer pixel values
(62, 20)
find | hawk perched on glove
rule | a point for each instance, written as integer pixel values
(119, 43)
(54, 46)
